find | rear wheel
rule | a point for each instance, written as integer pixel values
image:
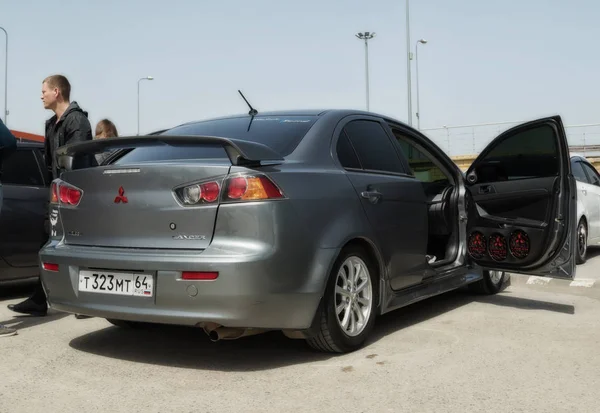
(490, 284)
(582, 238)
(348, 314)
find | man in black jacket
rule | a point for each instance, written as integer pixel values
(69, 124)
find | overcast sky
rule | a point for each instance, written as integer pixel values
(486, 61)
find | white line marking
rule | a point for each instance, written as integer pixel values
(534, 279)
(582, 283)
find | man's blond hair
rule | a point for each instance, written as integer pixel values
(61, 83)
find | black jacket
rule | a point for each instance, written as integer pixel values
(73, 126)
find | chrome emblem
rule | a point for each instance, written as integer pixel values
(121, 171)
(189, 237)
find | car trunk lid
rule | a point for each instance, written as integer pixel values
(135, 206)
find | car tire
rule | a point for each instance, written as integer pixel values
(126, 323)
(582, 245)
(490, 284)
(356, 298)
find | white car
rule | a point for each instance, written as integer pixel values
(588, 205)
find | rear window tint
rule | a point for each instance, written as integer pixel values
(280, 133)
(172, 153)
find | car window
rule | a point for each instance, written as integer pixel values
(592, 173)
(171, 153)
(422, 166)
(280, 133)
(578, 172)
(530, 153)
(21, 168)
(346, 153)
(373, 146)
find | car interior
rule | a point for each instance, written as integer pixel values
(439, 187)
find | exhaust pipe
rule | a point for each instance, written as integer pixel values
(230, 333)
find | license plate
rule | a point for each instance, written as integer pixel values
(119, 283)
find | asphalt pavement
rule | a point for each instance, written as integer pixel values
(532, 348)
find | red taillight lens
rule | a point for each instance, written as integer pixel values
(199, 276)
(237, 187)
(69, 195)
(251, 188)
(210, 191)
(198, 194)
(48, 266)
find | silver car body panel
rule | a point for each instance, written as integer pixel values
(273, 257)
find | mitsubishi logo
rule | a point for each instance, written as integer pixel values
(121, 197)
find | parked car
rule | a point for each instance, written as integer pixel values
(26, 186)
(312, 223)
(588, 205)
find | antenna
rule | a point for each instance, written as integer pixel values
(253, 111)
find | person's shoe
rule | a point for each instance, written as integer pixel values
(81, 316)
(29, 307)
(7, 331)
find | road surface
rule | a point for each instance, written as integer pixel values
(532, 348)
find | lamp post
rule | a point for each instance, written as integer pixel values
(138, 100)
(5, 78)
(366, 36)
(422, 41)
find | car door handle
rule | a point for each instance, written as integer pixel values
(372, 196)
(487, 189)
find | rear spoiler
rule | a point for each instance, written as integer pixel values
(240, 152)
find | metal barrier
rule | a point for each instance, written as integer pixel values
(471, 139)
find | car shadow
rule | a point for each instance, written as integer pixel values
(187, 347)
(593, 252)
(527, 304)
(21, 290)
(22, 321)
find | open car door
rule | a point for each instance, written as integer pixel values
(521, 202)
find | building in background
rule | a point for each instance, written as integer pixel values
(25, 136)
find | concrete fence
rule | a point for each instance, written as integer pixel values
(464, 161)
(461, 139)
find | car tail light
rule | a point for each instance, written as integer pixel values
(199, 276)
(250, 188)
(198, 194)
(54, 193)
(235, 188)
(49, 266)
(68, 194)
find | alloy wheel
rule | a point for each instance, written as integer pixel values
(353, 296)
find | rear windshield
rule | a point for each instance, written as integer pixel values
(280, 133)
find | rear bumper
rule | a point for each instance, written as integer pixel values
(258, 290)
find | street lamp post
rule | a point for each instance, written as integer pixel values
(366, 36)
(5, 78)
(408, 59)
(422, 41)
(138, 100)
